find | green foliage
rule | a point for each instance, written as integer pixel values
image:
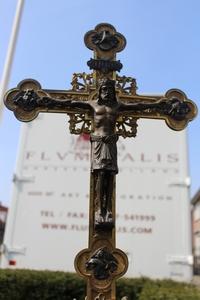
(130, 287)
(169, 290)
(46, 285)
(40, 285)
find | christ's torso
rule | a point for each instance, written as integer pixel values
(105, 117)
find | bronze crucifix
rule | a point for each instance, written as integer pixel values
(106, 106)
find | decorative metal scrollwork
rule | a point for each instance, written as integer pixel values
(102, 263)
(126, 127)
(100, 297)
(105, 66)
(126, 85)
(85, 83)
(105, 41)
(79, 123)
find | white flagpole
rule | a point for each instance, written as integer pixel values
(10, 52)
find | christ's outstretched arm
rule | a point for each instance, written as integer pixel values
(29, 100)
(174, 107)
(135, 106)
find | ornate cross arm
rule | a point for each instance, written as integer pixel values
(174, 107)
(29, 99)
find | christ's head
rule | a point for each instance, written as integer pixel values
(107, 91)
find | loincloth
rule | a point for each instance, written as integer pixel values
(104, 153)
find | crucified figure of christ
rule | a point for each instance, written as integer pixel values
(104, 112)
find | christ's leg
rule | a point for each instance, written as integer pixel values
(109, 194)
(100, 197)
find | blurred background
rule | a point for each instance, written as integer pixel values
(162, 52)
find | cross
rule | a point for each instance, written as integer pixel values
(105, 106)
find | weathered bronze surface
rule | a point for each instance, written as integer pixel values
(105, 66)
(102, 263)
(106, 106)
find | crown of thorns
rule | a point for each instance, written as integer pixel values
(106, 81)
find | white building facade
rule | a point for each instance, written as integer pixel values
(48, 218)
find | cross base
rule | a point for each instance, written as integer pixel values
(101, 297)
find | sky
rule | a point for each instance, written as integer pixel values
(162, 52)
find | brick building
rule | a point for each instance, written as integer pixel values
(196, 231)
(3, 216)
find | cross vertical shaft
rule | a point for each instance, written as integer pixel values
(105, 42)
